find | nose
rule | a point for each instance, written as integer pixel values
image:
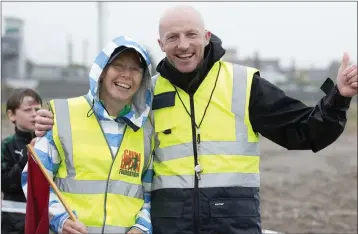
(183, 43)
(125, 73)
(34, 111)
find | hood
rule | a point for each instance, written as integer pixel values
(142, 100)
(190, 81)
(217, 50)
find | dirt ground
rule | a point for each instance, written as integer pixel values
(303, 192)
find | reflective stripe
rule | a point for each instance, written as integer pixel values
(147, 186)
(239, 95)
(207, 148)
(69, 185)
(64, 133)
(148, 130)
(13, 207)
(156, 141)
(207, 181)
(107, 229)
(240, 147)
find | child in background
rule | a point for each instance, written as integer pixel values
(21, 109)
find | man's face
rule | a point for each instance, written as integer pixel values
(24, 115)
(183, 39)
(122, 78)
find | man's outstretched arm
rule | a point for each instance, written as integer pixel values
(296, 126)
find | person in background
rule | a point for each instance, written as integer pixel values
(21, 109)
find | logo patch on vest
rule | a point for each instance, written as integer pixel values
(130, 164)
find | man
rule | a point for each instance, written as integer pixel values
(93, 143)
(21, 109)
(207, 116)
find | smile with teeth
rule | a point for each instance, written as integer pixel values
(185, 56)
(122, 85)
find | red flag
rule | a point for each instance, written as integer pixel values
(37, 220)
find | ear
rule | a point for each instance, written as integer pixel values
(11, 116)
(161, 45)
(207, 37)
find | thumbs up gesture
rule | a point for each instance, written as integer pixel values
(347, 81)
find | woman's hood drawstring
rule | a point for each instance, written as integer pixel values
(90, 111)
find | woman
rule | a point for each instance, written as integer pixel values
(99, 150)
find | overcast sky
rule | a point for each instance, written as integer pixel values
(312, 33)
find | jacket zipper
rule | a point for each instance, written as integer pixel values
(196, 164)
(105, 199)
(109, 175)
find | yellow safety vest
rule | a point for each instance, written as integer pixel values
(227, 151)
(105, 190)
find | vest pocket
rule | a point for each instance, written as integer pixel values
(164, 120)
(167, 209)
(165, 127)
(235, 207)
(167, 216)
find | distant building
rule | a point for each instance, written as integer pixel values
(270, 69)
(273, 75)
(57, 72)
(13, 62)
(230, 55)
(47, 72)
(14, 65)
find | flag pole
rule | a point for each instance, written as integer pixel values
(52, 184)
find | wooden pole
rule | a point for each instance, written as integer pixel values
(52, 184)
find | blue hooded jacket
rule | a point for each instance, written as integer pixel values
(113, 128)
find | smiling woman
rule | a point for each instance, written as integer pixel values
(121, 79)
(110, 121)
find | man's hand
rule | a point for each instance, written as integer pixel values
(347, 81)
(43, 122)
(135, 230)
(33, 141)
(70, 227)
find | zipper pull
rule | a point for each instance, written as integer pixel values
(198, 170)
(198, 138)
(198, 135)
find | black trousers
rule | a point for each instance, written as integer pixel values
(12, 223)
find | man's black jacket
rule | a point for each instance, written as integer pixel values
(282, 119)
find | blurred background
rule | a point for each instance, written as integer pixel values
(50, 46)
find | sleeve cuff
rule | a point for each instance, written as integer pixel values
(335, 99)
(63, 219)
(135, 227)
(62, 222)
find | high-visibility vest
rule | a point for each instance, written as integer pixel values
(105, 190)
(206, 174)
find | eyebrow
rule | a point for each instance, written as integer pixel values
(121, 63)
(139, 64)
(170, 34)
(187, 31)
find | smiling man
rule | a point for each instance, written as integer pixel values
(187, 55)
(208, 115)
